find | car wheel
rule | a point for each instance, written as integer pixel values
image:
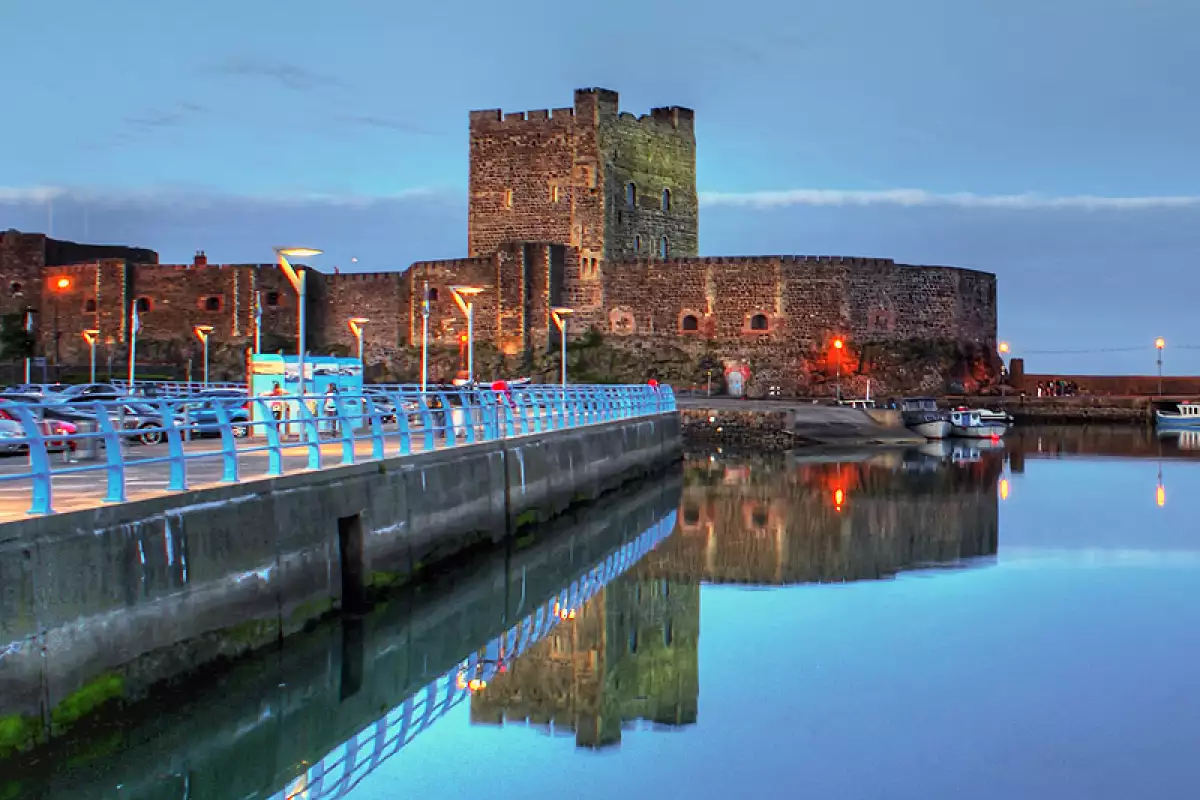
(241, 431)
(151, 436)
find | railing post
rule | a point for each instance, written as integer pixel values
(39, 461)
(229, 465)
(427, 422)
(447, 419)
(345, 430)
(402, 425)
(310, 432)
(114, 456)
(469, 404)
(376, 423)
(271, 431)
(177, 480)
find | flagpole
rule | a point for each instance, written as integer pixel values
(28, 359)
(425, 339)
(133, 329)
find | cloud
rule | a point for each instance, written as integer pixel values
(193, 197)
(290, 76)
(155, 119)
(385, 123)
(922, 198)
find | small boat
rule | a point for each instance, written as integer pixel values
(922, 416)
(859, 404)
(999, 417)
(966, 424)
(1186, 417)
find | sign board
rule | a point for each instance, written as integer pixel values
(272, 374)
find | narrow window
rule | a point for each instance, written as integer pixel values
(666, 200)
(758, 322)
(142, 304)
(212, 304)
(630, 194)
(663, 249)
(272, 299)
(433, 295)
(508, 197)
(668, 635)
(690, 323)
(89, 306)
(554, 194)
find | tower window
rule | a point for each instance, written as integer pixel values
(689, 323)
(663, 248)
(272, 299)
(16, 288)
(508, 198)
(89, 306)
(666, 200)
(142, 304)
(630, 194)
(212, 303)
(433, 296)
(758, 322)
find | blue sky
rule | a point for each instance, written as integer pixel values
(1051, 142)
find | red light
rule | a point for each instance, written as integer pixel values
(63, 283)
(837, 343)
(462, 339)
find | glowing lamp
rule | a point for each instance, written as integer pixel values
(1003, 347)
(1160, 496)
(63, 283)
(1003, 488)
(1160, 343)
(838, 344)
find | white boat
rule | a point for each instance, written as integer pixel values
(999, 417)
(922, 416)
(966, 424)
(1186, 418)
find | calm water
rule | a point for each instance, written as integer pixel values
(1017, 624)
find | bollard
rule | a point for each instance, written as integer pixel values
(89, 447)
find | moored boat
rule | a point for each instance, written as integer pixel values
(1187, 417)
(998, 417)
(922, 416)
(966, 423)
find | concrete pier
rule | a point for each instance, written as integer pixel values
(103, 603)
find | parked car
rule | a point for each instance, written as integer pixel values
(12, 435)
(202, 416)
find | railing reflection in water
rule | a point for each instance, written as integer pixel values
(340, 770)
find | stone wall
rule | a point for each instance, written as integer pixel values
(381, 297)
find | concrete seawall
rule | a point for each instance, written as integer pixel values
(103, 603)
(780, 425)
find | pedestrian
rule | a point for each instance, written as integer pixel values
(331, 408)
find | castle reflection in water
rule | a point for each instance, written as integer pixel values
(629, 656)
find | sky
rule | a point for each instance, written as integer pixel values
(1048, 141)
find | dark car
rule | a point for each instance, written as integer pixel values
(203, 420)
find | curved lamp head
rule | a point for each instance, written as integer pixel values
(1160, 343)
(298, 252)
(356, 324)
(467, 292)
(91, 335)
(202, 332)
(560, 314)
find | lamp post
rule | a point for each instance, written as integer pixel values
(463, 298)
(299, 283)
(425, 339)
(29, 328)
(559, 315)
(838, 344)
(1003, 349)
(90, 336)
(202, 332)
(356, 327)
(135, 326)
(60, 285)
(1159, 344)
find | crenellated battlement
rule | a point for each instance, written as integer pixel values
(838, 261)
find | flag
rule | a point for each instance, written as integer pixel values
(137, 321)
(29, 322)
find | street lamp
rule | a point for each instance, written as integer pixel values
(356, 327)
(1003, 349)
(559, 315)
(299, 283)
(463, 298)
(202, 332)
(1159, 344)
(90, 336)
(60, 285)
(838, 344)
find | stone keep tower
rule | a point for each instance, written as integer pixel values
(612, 186)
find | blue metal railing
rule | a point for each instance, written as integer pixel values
(343, 767)
(168, 444)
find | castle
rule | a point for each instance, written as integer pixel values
(588, 208)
